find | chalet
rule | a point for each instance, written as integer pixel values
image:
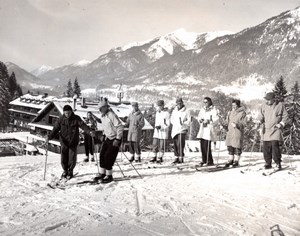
(25, 108)
(43, 123)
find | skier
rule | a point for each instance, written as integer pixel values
(180, 121)
(111, 141)
(273, 116)
(88, 142)
(136, 122)
(68, 128)
(161, 132)
(208, 119)
(235, 123)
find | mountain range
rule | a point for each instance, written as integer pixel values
(190, 64)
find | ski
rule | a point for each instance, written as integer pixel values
(59, 183)
(273, 171)
(208, 168)
(222, 168)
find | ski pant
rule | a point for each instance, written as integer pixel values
(159, 146)
(179, 144)
(234, 151)
(134, 147)
(68, 157)
(205, 146)
(271, 149)
(108, 154)
(88, 145)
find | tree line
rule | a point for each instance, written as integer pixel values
(9, 90)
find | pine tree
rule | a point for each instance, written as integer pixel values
(69, 91)
(76, 88)
(13, 87)
(280, 90)
(4, 97)
(291, 131)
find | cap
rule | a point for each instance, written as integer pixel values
(160, 103)
(103, 102)
(67, 108)
(270, 96)
(134, 104)
(179, 100)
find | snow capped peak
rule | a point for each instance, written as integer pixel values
(134, 44)
(209, 36)
(41, 70)
(295, 13)
(81, 63)
(187, 38)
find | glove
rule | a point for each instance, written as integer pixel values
(102, 138)
(157, 127)
(116, 143)
(278, 126)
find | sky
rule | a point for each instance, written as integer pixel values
(61, 32)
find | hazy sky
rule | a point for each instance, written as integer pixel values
(61, 32)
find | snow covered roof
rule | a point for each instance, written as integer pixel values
(121, 110)
(33, 101)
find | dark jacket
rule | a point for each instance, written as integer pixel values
(68, 129)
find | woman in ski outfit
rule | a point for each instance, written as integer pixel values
(161, 132)
(180, 122)
(208, 119)
(235, 123)
(136, 122)
(88, 142)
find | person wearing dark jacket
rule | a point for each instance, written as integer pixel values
(88, 139)
(68, 128)
(235, 122)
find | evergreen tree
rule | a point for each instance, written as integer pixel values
(69, 91)
(291, 132)
(76, 88)
(4, 97)
(13, 87)
(280, 90)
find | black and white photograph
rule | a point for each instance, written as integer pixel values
(150, 117)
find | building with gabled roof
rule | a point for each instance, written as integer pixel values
(43, 123)
(25, 108)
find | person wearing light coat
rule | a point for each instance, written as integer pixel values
(208, 119)
(273, 117)
(161, 132)
(136, 122)
(235, 122)
(180, 123)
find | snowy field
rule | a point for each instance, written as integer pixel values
(166, 201)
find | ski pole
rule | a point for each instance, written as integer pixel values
(120, 169)
(46, 158)
(132, 165)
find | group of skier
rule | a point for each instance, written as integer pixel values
(272, 117)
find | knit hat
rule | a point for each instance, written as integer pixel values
(270, 96)
(67, 108)
(160, 103)
(134, 104)
(179, 100)
(103, 102)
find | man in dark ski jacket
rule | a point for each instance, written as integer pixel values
(68, 128)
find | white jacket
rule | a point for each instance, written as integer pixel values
(162, 119)
(210, 115)
(180, 121)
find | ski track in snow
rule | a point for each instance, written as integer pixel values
(166, 201)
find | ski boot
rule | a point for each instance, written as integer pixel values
(229, 163)
(107, 179)
(235, 164)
